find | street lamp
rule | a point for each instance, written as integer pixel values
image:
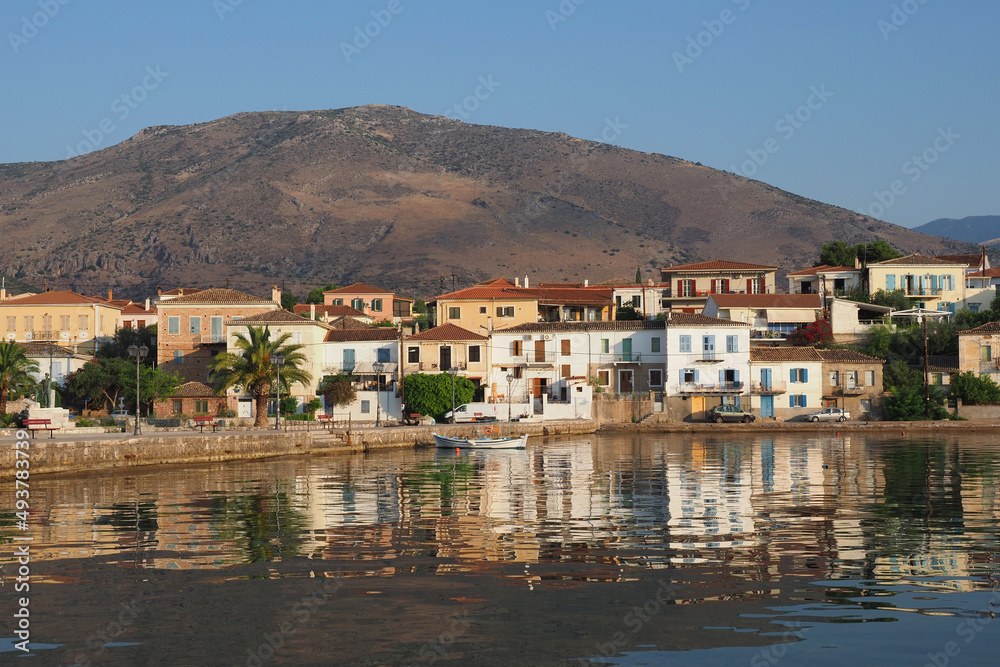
(277, 360)
(378, 367)
(453, 372)
(510, 378)
(138, 353)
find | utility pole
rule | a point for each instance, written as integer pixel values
(927, 373)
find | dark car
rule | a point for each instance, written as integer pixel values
(729, 413)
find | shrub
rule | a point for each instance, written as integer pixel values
(975, 389)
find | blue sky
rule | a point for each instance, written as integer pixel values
(829, 100)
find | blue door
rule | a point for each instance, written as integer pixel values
(767, 406)
(765, 379)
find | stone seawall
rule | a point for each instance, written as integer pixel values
(101, 452)
(791, 427)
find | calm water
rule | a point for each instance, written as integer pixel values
(625, 550)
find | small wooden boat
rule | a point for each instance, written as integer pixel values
(447, 442)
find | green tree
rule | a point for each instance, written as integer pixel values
(15, 372)
(312, 406)
(101, 381)
(288, 301)
(837, 253)
(638, 275)
(289, 405)
(907, 399)
(118, 346)
(316, 295)
(627, 313)
(338, 389)
(252, 369)
(419, 306)
(975, 389)
(894, 299)
(876, 251)
(429, 394)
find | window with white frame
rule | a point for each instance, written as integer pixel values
(834, 378)
(798, 400)
(654, 344)
(413, 354)
(869, 378)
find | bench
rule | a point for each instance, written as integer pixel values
(202, 422)
(413, 419)
(39, 425)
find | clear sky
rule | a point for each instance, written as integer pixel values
(886, 106)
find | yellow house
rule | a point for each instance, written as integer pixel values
(72, 320)
(938, 284)
(490, 305)
(445, 347)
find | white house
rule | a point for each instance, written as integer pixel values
(772, 317)
(371, 355)
(825, 280)
(707, 364)
(786, 382)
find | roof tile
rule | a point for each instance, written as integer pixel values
(218, 295)
(446, 332)
(719, 265)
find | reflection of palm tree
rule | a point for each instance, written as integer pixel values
(265, 522)
(441, 480)
(15, 371)
(252, 367)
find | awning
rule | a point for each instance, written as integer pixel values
(777, 315)
(366, 368)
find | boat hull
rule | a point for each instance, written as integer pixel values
(444, 441)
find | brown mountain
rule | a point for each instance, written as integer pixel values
(388, 196)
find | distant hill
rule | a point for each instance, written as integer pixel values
(388, 196)
(981, 229)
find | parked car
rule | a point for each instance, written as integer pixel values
(729, 413)
(829, 415)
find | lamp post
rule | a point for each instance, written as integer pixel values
(277, 360)
(378, 367)
(510, 379)
(453, 372)
(138, 353)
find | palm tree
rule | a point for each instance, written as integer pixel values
(15, 371)
(252, 368)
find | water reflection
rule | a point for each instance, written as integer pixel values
(727, 518)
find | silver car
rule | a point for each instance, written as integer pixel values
(829, 415)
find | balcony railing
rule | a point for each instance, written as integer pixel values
(719, 388)
(534, 358)
(766, 388)
(710, 357)
(922, 291)
(855, 390)
(622, 358)
(210, 339)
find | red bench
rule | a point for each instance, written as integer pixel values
(202, 422)
(39, 425)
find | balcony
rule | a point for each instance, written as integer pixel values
(922, 291)
(622, 358)
(536, 358)
(856, 390)
(767, 389)
(714, 389)
(210, 339)
(709, 358)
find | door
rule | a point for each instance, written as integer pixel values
(697, 408)
(765, 380)
(245, 408)
(627, 349)
(539, 351)
(625, 385)
(444, 361)
(766, 406)
(708, 347)
(348, 361)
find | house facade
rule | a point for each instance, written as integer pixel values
(708, 363)
(853, 381)
(936, 284)
(65, 318)
(54, 361)
(192, 328)
(371, 356)
(827, 281)
(979, 350)
(445, 347)
(377, 303)
(688, 286)
(324, 313)
(786, 382)
(137, 316)
(772, 317)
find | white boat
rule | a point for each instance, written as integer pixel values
(447, 442)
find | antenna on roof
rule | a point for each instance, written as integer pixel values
(227, 282)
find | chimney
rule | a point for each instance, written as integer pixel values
(110, 294)
(650, 282)
(276, 294)
(147, 303)
(3, 293)
(312, 311)
(857, 262)
(159, 290)
(180, 292)
(517, 282)
(526, 281)
(586, 282)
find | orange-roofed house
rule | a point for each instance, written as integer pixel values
(772, 317)
(377, 303)
(72, 320)
(325, 313)
(690, 285)
(137, 316)
(444, 347)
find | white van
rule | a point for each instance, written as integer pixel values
(475, 412)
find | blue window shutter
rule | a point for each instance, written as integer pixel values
(805, 375)
(934, 282)
(696, 376)
(722, 376)
(890, 282)
(791, 400)
(805, 401)
(736, 376)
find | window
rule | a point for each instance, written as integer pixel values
(83, 321)
(178, 406)
(869, 378)
(755, 286)
(413, 354)
(686, 287)
(689, 376)
(518, 372)
(482, 311)
(937, 378)
(358, 304)
(834, 378)
(708, 347)
(732, 344)
(565, 347)
(799, 375)
(655, 377)
(173, 325)
(12, 322)
(127, 324)
(475, 354)
(454, 313)
(637, 301)
(974, 307)
(337, 302)
(382, 355)
(798, 400)
(565, 371)
(654, 344)
(515, 348)
(604, 378)
(685, 343)
(195, 324)
(985, 352)
(377, 305)
(505, 311)
(178, 357)
(366, 407)
(720, 285)
(348, 361)
(604, 346)
(866, 405)
(29, 323)
(201, 406)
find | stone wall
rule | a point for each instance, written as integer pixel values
(621, 411)
(978, 412)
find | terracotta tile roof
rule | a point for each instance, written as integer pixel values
(493, 291)
(358, 288)
(193, 390)
(849, 357)
(777, 354)
(446, 332)
(219, 295)
(575, 296)
(276, 316)
(178, 291)
(349, 323)
(329, 311)
(679, 319)
(368, 334)
(561, 295)
(823, 268)
(719, 265)
(809, 301)
(559, 327)
(42, 348)
(136, 309)
(971, 260)
(993, 272)
(943, 363)
(985, 329)
(917, 259)
(57, 298)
